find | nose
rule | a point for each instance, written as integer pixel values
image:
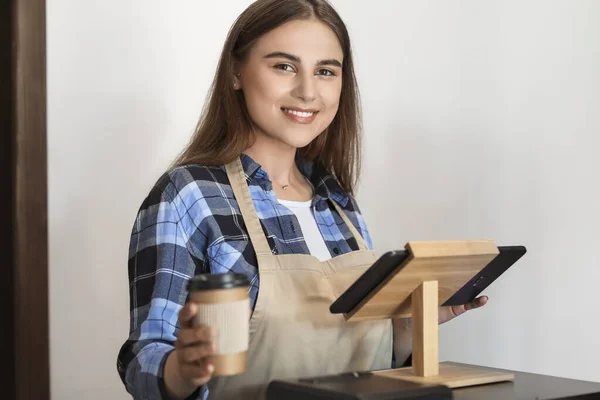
(305, 88)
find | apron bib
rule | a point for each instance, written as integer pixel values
(292, 332)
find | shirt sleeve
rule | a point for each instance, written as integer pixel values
(160, 264)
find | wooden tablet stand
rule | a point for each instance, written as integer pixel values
(433, 272)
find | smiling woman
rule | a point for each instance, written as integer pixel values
(264, 189)
(289, 58)
(301, 85)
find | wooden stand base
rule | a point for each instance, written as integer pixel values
(453, 376)
(426, 367)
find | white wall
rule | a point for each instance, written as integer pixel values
(481, 120)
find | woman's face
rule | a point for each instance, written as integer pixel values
(292, 80)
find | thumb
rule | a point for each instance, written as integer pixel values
(476, 303)
(186, 314)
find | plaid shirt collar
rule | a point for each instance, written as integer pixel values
(324, 184)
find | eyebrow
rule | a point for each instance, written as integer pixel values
(281, 54)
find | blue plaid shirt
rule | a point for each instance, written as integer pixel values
(190, 223)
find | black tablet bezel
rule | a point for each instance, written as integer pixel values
(506, 258)
(369, 280)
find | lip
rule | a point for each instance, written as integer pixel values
(301, 109)
(298, 119)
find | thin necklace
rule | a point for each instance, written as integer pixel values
(284, 187)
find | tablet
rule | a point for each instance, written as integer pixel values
(504, 260)
(392, 260)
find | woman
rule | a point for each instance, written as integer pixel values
(271, 170)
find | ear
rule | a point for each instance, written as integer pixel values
(237, 81)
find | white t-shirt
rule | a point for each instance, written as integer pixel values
(310, 229)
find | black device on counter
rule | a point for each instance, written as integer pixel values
(355, 386)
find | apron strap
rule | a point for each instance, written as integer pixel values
(362, 245)
(237, 178)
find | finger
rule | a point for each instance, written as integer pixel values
(186, 314)
(192, 336)
(192, 354)
(198, 373)
(458, 310)
(478, 302)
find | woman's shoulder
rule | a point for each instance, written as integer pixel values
(191, 180)
(188, 195)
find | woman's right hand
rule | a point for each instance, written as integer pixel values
(188, 366)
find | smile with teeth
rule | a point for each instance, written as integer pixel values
(302, 114)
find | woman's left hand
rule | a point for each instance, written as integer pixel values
(448, 313)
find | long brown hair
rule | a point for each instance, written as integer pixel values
(224, 129)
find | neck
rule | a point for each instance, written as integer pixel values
(276, 158)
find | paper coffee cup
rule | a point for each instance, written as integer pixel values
(223, 304)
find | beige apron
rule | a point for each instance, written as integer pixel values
(292, 332)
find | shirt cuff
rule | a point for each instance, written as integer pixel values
(198, 393)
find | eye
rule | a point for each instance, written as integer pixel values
(284, 67)
(325, 72)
